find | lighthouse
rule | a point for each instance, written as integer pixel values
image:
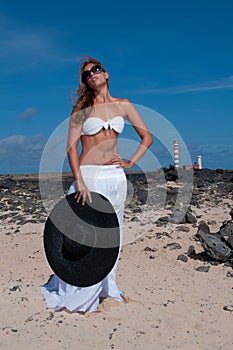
(176, 154)
(199, 162)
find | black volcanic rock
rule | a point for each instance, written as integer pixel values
(7, 183)
(171, 175)
(204, 227)
(140, 188)
(190, 218)
(225, 187)
(214, 246)
(231, 214)
(226, 230)
(178, 217)
(217, 180)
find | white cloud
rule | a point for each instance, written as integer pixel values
(28, 113)
(21, 154)
(16, 145)
(225, 83)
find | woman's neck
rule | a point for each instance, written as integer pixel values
(102, 96)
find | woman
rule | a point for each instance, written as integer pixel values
(96, 120)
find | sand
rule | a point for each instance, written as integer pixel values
(171, 304)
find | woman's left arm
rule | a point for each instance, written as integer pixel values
(142, 130)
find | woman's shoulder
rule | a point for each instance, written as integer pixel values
(118, 99)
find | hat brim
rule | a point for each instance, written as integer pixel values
(94, 226)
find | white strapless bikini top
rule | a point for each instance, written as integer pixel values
(93, 125)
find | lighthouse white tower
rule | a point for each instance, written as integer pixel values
(199, 162)
(176, 154)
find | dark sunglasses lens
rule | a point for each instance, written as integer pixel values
(97, 69)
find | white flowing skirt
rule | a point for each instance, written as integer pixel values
(109, 181)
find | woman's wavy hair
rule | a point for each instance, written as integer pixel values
(85, 94)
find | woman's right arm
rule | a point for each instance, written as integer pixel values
(74, 135)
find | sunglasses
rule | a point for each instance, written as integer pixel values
(97, 69)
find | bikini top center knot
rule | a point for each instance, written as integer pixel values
(93, 125)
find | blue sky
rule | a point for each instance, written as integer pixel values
(174, 57)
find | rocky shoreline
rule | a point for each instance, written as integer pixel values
(20, 194)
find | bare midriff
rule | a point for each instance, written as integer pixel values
(98, 149)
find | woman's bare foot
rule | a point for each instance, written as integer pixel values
(125, 298)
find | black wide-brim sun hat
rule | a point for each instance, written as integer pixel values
(82, 242)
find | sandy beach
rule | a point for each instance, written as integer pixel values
(175, 301)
